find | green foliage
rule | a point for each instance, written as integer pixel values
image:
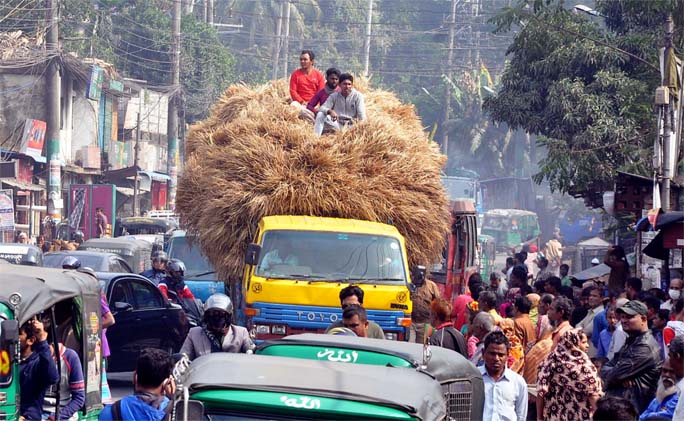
(590, 105)
(135, 35)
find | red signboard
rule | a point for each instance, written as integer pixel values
(24, 171)
(34, 137)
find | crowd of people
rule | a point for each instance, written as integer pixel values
(578, 349)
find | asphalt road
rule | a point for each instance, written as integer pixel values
(120, 384)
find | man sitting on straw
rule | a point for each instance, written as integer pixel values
(332, 79)
(306, 81)
(341, 108)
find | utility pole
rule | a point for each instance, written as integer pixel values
(450, 75)
(136, 154)
(369, 26)
(210, 12)
(52, 102)
(286, 42)
(205, 7)
(276, 51)
(172, 120)
(667, 120)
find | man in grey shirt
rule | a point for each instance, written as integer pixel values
(341, 108)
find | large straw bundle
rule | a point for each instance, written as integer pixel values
(253, 157)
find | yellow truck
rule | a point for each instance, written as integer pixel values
(297, 265)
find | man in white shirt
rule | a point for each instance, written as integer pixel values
(505, 391)
(675, 292)
(342, 108)
(595, 302)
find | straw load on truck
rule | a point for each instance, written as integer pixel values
(253, 157)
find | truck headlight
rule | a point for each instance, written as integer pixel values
(263, 329)
(390, 336)
(279, 330)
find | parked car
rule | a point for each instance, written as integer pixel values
(97, 261)
(144, 319)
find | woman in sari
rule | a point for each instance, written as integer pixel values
(516, 356)
(568, 385)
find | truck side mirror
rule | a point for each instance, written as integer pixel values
(195, 410)
(418, 275)
(9, 331)
(252, 255)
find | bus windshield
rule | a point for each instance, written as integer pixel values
(182, 248)
(330, 256)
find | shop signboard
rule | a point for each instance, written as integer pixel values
(6, 210)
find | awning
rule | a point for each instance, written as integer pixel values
(22, 185)
(126, 191)
(156, 176)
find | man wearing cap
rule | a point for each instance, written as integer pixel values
(634, 370)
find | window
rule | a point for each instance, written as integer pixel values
(119, 294)
(116, 266)
(146, 296)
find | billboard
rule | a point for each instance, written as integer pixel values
(33, 138)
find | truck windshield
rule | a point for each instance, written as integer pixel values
(182, 248)
(330, 256)
(460, 188)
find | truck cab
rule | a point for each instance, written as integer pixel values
(200, 276)
(297, 266)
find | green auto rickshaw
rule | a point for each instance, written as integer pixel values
(256, 387)
(461, 381)
(511, 228)
(71, 301)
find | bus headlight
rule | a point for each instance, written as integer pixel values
(263, 329)
(390, 336)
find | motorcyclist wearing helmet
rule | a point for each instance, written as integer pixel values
(158, 271)
(70, 262)
(217, 333)
(77, 237)
(173, 281)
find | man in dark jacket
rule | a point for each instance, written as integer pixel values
(158, 271)
(634, 370)
(38, 369)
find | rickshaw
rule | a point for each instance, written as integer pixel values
(134, 251)
(462, 384)
(21, 254)
(511, 228)
(487, 255)
(249, 387)
(71, 301)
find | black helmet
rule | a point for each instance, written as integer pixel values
(160, 255)
(176, 265)
(70, 262)
(77, 236)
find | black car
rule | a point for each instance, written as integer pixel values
(97, 261)
(144, 319)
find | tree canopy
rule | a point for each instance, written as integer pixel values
(584, 86)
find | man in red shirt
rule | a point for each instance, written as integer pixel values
(306, 81)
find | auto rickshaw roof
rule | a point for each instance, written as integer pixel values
(509, 212)
(143, 221)
(40, 288)
(115, 245)
(413, 392)
(444, 365)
